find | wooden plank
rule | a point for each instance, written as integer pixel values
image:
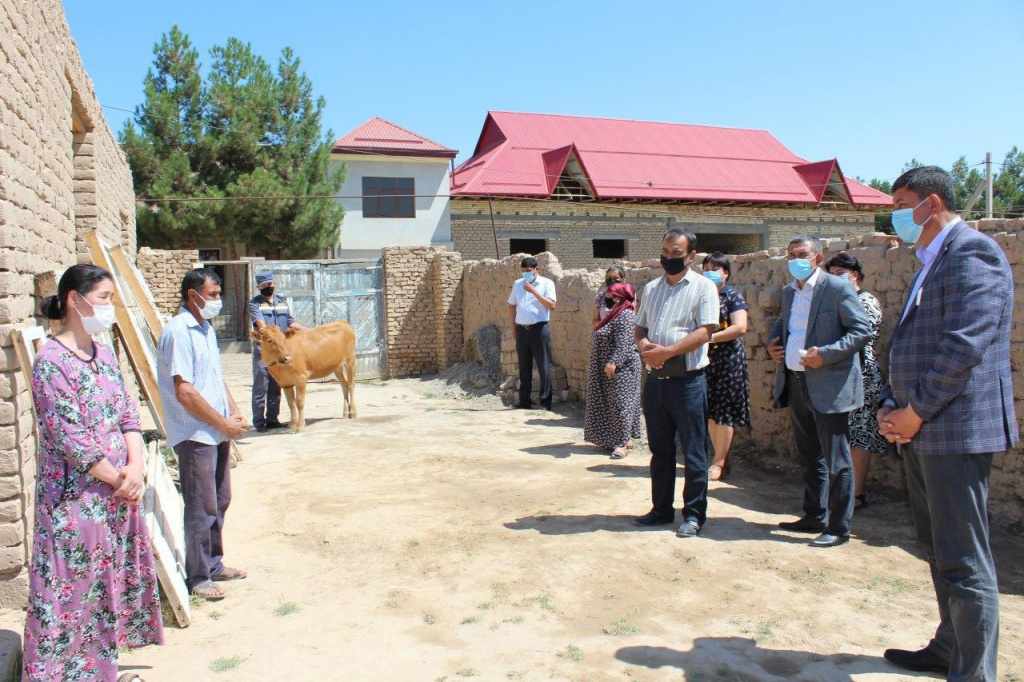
(27, 343)
(140, 291)
(164, 518)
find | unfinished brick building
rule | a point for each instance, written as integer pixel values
(594, 190)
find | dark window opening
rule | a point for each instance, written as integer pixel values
(530, 246)
(609, 248)
(389, 198)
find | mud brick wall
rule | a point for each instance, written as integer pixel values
(424, 328)
(570, 228)
(164, 270)
(62, 175)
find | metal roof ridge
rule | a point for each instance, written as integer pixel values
(633, 120)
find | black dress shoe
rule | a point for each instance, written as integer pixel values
(521, 406)
(652, 519)
(803, 525)
(275, 425)
(261, 429)
(829, 540)
(924, 660)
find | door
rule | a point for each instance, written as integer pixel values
(324, 291)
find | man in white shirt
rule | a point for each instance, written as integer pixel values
(529, 311)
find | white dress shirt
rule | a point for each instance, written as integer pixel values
(528, 309)
(798, 320)
(927, 255)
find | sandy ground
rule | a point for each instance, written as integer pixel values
(445, 538)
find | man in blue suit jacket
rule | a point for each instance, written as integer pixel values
(817, 341)
(949, 405)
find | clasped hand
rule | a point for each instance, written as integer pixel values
(654, 355)
(129, 484)
(898, 425)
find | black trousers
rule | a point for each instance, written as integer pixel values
(533, 345)
(823, 446)
(205, 473)
(678, 408)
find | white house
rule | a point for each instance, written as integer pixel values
(396, 191)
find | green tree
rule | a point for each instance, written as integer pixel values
(250, 132)
(1008, 186)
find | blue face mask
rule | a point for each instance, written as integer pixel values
(715, 276)
(529, 276)
(906, 227)
(800, 268)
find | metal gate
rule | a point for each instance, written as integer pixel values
(324, 291)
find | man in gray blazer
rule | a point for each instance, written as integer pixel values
(949, 405)
(817, 341)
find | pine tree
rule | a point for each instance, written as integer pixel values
(249, 132)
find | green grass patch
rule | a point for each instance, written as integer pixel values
(469, 620)
(286, 608)
(216, 615)
(571, 653)
(484, 606)
(223, 665)
(429, 618)
(513, 621)
(765, 629)
(621, 627)
(466, 672)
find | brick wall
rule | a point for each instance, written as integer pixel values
(570, 228)
(63, 174)
(422, 288)
(164, 270)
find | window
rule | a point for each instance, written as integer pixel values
(389, 198)
(208, 255)
(530, 246)
(609, 248)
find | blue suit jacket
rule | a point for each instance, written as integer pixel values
(950, 356)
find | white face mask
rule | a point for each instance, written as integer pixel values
(210, 309)
(101, 320)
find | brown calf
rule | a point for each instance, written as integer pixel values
(296, 356)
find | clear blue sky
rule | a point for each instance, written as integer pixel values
(872, 83)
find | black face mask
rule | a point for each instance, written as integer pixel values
(610, 281)
(673, 266)
(609, 303)
(268, 292)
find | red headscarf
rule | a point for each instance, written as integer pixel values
(618, 290)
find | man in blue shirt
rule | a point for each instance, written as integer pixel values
(529, 310)
(266, 394)
(201, 419)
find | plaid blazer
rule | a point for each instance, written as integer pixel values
(839, 327)
(950, 356)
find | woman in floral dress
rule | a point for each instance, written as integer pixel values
(613, 382)
(614, 274)
(92, 583)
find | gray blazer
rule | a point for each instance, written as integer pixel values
(839, 327)
(950, 356)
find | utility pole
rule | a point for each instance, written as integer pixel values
(988, 184)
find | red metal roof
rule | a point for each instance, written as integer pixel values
(516, 156)
(378, 136)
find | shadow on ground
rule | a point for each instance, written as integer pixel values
(741, 659)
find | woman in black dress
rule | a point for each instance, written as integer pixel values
(613, 382)
(727, 377)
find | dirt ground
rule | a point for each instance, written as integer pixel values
(438, 537)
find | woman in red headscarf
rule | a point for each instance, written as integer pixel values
(613, 383)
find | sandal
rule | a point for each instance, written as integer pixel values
(619, 453)
(208, 591)
(862, 502)
(129, 677)
(228, 573)
(717, 472)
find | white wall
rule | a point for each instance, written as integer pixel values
(430, 227)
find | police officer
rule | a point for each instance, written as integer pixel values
(266, 394)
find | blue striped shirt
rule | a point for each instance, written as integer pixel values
(189, 350)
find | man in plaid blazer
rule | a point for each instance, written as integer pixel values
(949, 405)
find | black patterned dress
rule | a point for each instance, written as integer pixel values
(728, 380)
(863, 424)
(613, 405)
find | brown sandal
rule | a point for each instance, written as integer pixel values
(208, 591)
(228, 573)
(619, 453)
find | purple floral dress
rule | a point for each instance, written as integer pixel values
(92, 583)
